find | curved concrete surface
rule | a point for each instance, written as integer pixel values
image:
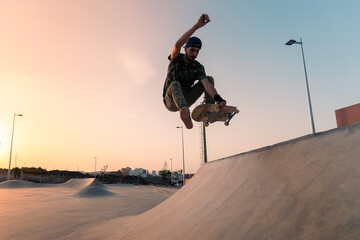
(77, 183)
(307, 188)
(19, 184)
(95, 189)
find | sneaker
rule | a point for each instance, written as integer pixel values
(185, 117)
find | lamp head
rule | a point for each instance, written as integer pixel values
(290, 42)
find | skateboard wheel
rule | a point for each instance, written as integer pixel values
(206, 124)
(226, 123)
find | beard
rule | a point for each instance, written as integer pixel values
(191, 59)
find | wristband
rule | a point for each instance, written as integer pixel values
(219, 99)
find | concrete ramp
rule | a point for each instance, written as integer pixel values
(19, 184)
(95, 189)
(78, 183)
(307, 188)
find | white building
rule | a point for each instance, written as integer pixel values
(137, 172)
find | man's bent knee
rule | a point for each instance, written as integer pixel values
(175, 86)
(174, 99)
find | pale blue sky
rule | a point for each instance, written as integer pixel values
(88, 77)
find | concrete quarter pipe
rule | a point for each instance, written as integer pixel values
(307, 188)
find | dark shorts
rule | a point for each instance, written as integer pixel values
(177, 98)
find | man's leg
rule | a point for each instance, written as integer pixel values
(175, 101)
(197, 90)
(174, 97)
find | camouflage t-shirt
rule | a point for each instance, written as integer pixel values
(185, 73)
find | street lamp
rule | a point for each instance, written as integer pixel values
(204, 139)
(171, 178)
(289, 43)
(95, 168)
(182, 134)
(204, 144)
(12, 138)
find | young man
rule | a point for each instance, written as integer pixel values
(180, 92)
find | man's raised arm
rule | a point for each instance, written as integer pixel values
(203, 20)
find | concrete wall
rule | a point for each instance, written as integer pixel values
(348, 115)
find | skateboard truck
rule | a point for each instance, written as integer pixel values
(227, 115)
(226, 123)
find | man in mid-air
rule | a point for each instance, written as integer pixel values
(180, 92)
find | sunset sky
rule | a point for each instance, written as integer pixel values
(88, 76)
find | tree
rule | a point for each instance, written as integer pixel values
(103, 172)
(17, 173)
(165, 173)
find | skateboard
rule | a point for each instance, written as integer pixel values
(209, 113)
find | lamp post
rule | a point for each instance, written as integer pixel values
(11, 146)
(204, 138)
(182, 134)
(95, 168)
(204, 144)
(171, 178)
(289, 43)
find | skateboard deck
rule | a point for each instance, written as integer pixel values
(209, 113)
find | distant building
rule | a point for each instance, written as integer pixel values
(177, 176)
(125, 171)
(138, 172)
(154, 173)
